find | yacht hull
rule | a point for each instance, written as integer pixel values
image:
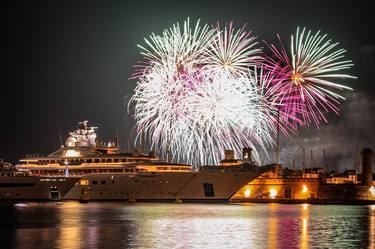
(165, 186)
(35, 187)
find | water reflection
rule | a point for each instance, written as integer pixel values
(372, 227)
(304, 232)
(71, 227)
(115, 225)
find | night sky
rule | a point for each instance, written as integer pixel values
(67, 61)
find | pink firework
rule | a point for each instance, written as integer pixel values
(308, 76)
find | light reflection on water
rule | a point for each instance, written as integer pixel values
(119, 225)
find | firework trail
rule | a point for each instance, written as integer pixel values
(308, 76)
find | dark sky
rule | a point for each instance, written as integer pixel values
(66, 61)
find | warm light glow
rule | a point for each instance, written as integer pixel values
(273, 193)
(297, 78)
(372, 191)
(304, 234)
(84, 182)
(304, 206)
(247, 193)
(72, 153)
(305, 189)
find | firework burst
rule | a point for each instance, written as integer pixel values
(194, 96)
(202, 90)
(179, 49)
(232, 51)
(308, 76)
(231, 114)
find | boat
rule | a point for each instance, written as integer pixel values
(108, 174)
(20, 185)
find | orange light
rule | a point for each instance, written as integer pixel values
(297, 78)
(304, 189)
(247, 193)
(273, 193)
(372, 191)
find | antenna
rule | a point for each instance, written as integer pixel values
(312, 163)
(117, 140)
(325, 159)
(304, 160)
(61, 141)
(277, 135)
(128, 145)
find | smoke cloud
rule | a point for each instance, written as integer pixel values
(341, 138)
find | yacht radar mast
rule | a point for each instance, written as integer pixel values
(84, 136)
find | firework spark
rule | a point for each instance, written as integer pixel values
(308, 75)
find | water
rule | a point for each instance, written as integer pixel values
(120, 225)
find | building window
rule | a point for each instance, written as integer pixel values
(208, 189)
(103, 182)
(84, 182)
(94, 182)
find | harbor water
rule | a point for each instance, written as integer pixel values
(159, 225)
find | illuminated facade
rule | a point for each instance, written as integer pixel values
(270, 186)
(314, 185)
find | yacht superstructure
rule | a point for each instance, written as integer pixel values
(108, 174)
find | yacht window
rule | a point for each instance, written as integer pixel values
(94, 182)
(97, 160)
(89, 160)
(208, 189)
(84, 182)
(103, 182)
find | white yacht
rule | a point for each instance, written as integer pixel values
(108, 174)
(19, 185)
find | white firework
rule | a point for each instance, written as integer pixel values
(178, 49)
(229, 113)
(232, 51)
(190, 104)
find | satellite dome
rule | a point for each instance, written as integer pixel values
(70, 141)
